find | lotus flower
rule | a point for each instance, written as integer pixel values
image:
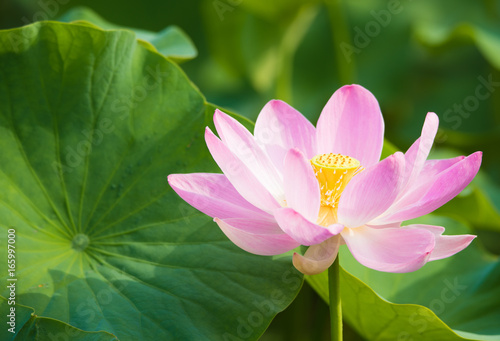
(292, 184)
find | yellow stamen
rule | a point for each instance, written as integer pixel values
(333, 172)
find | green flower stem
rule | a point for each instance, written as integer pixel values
(334, 297)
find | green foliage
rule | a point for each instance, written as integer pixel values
(172, 42)
(92, 122)
(29, 326)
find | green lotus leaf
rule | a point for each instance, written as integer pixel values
(171, 41)
(29, 326)
(91, 124)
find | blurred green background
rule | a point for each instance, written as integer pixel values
(414, 56)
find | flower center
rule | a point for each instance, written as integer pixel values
(333, 171)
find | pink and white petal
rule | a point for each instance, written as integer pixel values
(417, 154)
(301, 186)
(301, 229)
(446, 246)
(243, 145)
(371, 192)
(413, 193)
(436, 230)
(277, 155)
(280, 125)
(390, 249)
(260, 237)
(395, 225)
(432, 193)
(351, 124)
(432, 168)
(318, 257)
(243, 180)
(215, 196)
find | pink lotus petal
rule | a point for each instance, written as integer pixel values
(446, 246)
(318, 257)
(432, 168)
(417, 154)
(390, 249)
(427, 176)
(260, 237)
(280, 127)
(277, 155)
(243, 145)
(302, 230)
(391, 225)
(435, 192)
(371, 192)
(214, 195)
(239, 175)
(351, 124)
(301, 186)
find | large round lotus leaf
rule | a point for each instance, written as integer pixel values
(91, 124)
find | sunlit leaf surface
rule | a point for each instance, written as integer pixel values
(91, 124)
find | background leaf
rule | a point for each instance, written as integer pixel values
(91, 124)
(171, 41)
